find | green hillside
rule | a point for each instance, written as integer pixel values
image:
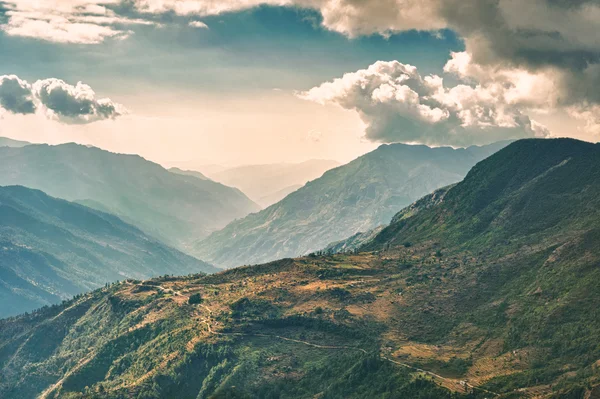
(528, 218)
(51, 249)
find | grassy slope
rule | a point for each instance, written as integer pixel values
(340, 326)
(282, 330)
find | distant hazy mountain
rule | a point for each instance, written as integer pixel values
(6, 142)
(188, 173)
(52, 249)
(278, 195)
(352, 198)
(206, 169)
(174, 208)
(267, 184)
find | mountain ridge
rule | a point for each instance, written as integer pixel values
(52, 249)
(172, 207)
(7, 142)
(355, 197)
(188, 173)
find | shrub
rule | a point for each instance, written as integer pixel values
(195, 299)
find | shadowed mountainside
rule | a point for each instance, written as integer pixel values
(51, 249)
(174, 208)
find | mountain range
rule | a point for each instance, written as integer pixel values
(346, 200)
(268, 184)
(175, 208)
(6, 142)
(51, 250)
(486, 288)
(188, 173)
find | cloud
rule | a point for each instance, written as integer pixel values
(198, 24)
(553, 42)
(15, 95)
(56, 99)
(521, 43)
(201, 7)
(72, 21)
(74, 104)
(589, 115)
(398, 104)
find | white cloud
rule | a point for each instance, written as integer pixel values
(398, 104)
(518, 85)
(547, 90)
(67, 21)
(546, 52)
(201, 7)
(56, 99)
(60, 30)
(198, 24)
(589, 115)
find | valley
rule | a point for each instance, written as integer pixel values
(168, 206)
(51, 250)
(452, 299)
(352, 198)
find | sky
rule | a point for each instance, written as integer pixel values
(231, 82)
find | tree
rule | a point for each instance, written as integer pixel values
(195, 299)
